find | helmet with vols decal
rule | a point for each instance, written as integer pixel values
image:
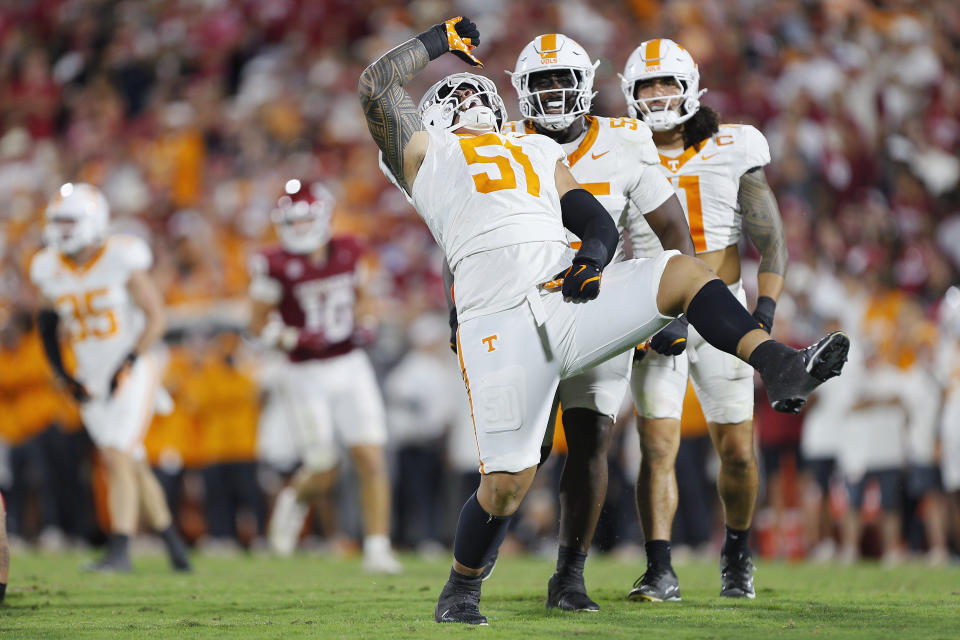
(662, 58)
(76, 218)
(554, 81)
(302, 217)
(463, 100)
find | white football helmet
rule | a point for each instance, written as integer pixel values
(302, 217)
(662, 58)
(554, 52)
(76, 218)
(483, 111)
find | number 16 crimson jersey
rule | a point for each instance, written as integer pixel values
(310, 295)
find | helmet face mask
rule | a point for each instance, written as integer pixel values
(302, 217)
(661, 112)
(463, 100)
(661, 59)
(554, 81)
(76, 219)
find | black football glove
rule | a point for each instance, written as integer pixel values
(453, 329)
(122, 371)
(581, 282)
(672, 339)
(457, 35)
(763, 314)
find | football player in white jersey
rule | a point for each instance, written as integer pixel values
(497, 204)
(97, 288)
(616, 161)
(718, 171)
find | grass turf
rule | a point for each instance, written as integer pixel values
(259, 597)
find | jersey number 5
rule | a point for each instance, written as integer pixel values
(508, 177)
(691, 190)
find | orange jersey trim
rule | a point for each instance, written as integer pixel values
(587, 142)
(81, 269)
(675, 164)
(596, 188)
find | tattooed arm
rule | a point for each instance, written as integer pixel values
(762, 223)
(391, 114)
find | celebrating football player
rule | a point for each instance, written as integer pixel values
(304, 293)
(497, 204)
(615, 160)
(97, 287)
(718, 171)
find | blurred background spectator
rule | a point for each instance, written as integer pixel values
(191, 114)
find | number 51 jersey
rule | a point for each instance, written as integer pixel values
(94, 305)
(491, 203)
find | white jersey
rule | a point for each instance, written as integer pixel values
(92, 300)
(615, 160)
(491, 203)
(707, 180)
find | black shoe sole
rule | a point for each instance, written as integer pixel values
(826, 362)
(738, 593)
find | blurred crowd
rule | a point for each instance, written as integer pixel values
(191, 115)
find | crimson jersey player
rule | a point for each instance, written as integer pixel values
(317, 298)
(303, 296)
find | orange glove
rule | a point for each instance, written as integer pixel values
(457, 35)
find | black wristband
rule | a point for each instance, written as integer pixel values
(592, 251)
(682, 318)
(434, 41)
(766, 307)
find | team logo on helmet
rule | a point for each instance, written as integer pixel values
(554, 81)
(662, 58)
(463, 100)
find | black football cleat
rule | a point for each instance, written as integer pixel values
(459, 604)
(656, 585)
(736, 576)
(569, 593)
(800, 372)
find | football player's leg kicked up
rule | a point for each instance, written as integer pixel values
(517, 337)
(512, 362)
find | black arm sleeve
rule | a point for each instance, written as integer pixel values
(47, 321)
(586, 217)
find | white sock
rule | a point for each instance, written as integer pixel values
(376, 544)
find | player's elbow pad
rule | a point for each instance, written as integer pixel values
(585, 216)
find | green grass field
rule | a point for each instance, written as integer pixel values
(258, 597)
